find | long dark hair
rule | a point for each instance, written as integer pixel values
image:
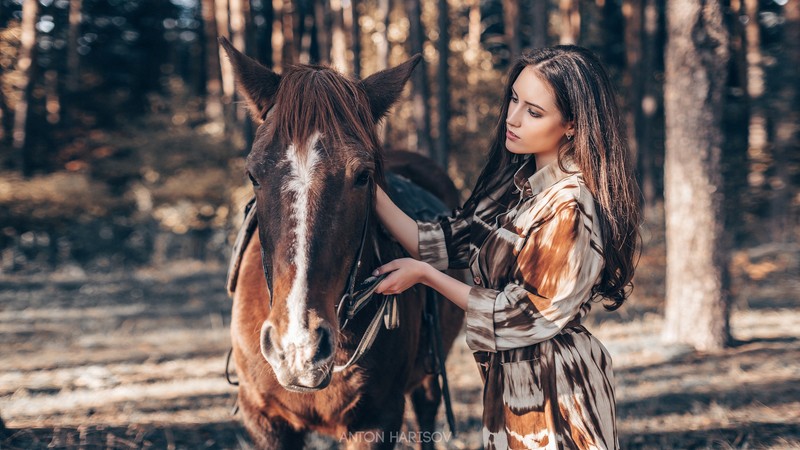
(584, 95)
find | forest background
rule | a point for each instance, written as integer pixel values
(123, 140)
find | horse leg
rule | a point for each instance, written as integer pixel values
(426, 398)
(269, 434)
(384, 434)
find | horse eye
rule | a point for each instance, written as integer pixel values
(363, 178)
(253, 180)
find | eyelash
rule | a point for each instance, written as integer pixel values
(532, 114)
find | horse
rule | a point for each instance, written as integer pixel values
(314, 165)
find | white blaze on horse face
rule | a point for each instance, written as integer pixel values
(297, 340)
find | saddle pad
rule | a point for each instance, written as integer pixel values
(418, 203)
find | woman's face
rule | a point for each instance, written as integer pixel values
(534, 124)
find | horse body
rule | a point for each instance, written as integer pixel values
(314, 169)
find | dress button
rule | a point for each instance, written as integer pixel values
(477, 280)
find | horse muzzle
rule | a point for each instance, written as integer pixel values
(302, 362)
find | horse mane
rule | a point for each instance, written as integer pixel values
(313, 98)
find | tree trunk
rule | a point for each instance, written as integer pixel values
(381, 34)
(419, 85)
(278, 60)
(643, 90)
(632, 76)
(223, 30)
(539, 21)
(443, 86)
(241, 24)
(6, 120)
(696, 311)
(651, 111)
(351, 24)
(338, 44)
(511, 21)
(264, 34)
(238, 39)
(290, 47)
(755, 83)
(321, 13)
(472, 58)
(73, 59)
(381, 38)
(787, 125)
(52, 100)
(237, 25)
(27, 69)
(570, 22)
(306, 16)
(249, 28)
(736, 119)
(213, 101)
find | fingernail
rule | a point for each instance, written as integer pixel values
(375, 272)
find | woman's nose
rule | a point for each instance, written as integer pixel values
(512, 118)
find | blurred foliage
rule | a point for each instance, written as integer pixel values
(131, 149)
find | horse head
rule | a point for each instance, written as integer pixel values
(314, 164)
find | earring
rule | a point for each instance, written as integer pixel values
(569, 137)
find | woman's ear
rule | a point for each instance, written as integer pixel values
(570, 132)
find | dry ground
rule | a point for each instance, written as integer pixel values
(135, 360)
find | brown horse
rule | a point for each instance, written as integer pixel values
(314, 163)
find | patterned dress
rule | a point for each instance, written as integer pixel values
(535, 253)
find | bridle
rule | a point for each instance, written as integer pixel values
(354, 300)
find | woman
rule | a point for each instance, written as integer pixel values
(550, 226)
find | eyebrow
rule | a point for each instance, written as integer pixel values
(532, 104)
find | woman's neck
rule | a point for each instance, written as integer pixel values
(543, 159)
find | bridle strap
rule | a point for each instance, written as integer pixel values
(350, 294)
(354, 300)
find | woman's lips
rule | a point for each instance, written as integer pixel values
(512, 136)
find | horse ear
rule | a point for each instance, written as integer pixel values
(384, 87)
(255, 82)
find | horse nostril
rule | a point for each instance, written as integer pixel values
(325, 346)
(267, 346)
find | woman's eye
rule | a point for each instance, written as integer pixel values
(362, 179)
(253, 180)
(515, 100)
(533, 114)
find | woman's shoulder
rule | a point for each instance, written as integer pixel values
(567, 199)
(570, 190)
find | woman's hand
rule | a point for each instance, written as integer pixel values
(405, 272)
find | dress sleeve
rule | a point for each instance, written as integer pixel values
(444, 243)
(558, 263)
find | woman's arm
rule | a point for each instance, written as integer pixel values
(407, 272)
(556, 269)
(399, 224)
(557, 266)
(442, 243)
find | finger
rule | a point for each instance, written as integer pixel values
(387, 285)
(388, 267)
(382, 287)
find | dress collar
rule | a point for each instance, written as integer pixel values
(530, 181)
